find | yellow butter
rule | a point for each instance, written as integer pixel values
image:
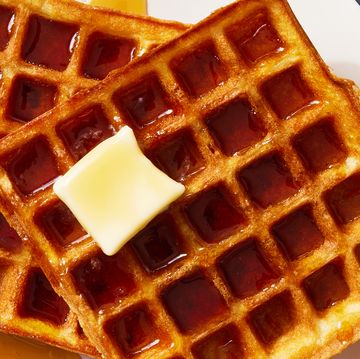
(115, 191)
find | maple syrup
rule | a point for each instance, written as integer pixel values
(144, 102)
(246, 269)
(193, 301)
(104, 54)
(41, 301)
(223, 344)
(82, 133)
(49, 43)
(319, 146)
(6, 21)
(274, 318)
(32, 167)
(10, 346)
(213, 214)
(255, 38)
(9, 239)
(268, 180)
(297, 234)
(343, 200)
(30, 98)
(159, 245)
(134, 331)
(200, 71)
(178, 156)
(327, 286)
(104, 280)
(288, 93)
(59, 225)
(235, 126)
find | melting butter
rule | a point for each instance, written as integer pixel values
(115, 191)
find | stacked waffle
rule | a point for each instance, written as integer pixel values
(49, 50)
(257, 259)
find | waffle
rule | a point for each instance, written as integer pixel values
(257, 259)
(51, 49)
(29, 88)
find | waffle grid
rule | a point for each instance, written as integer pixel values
(313, 333)
(16, 267)
(146, 33)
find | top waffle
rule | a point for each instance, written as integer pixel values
(35, 77)
(50, 49)
(257, 259)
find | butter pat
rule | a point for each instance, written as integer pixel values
(115, 191)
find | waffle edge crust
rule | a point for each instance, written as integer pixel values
(48, 51)
(257, 259)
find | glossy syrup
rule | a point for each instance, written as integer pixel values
(200, 71)
(235, 126)
(30, 98)
(59, 225)
(193, 301)
(134, 331)
(49, 43)
(247, 270)
(274, 318)
(288, 93)
(178, 156)
(255, 38)
(40, 300)
(319, 146)
(159, 245)
(32, 167)
(7, 16)
(213, 214)
(268, 180)
(104, 54)
(104, 280)
(144, 103)
(297, 234)
(9, 239)
(327, 286)
(343, 200)
(223, 344)
(85, 131)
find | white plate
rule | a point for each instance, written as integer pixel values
(332, 25)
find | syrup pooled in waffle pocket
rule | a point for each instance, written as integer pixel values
(257, 258)
(50, 49)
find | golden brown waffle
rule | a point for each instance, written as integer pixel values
(259, 258)
(27, 298)
(51, 49)
(35, 77)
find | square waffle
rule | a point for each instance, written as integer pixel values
(257, 259)
(48, 50)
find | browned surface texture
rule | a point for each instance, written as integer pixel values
(39, 71)
(264, 243)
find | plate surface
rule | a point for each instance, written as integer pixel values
(335, 33)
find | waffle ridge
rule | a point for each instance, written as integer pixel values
(30, 87)
(248, 205)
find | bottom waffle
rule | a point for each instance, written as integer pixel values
(28, 304)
